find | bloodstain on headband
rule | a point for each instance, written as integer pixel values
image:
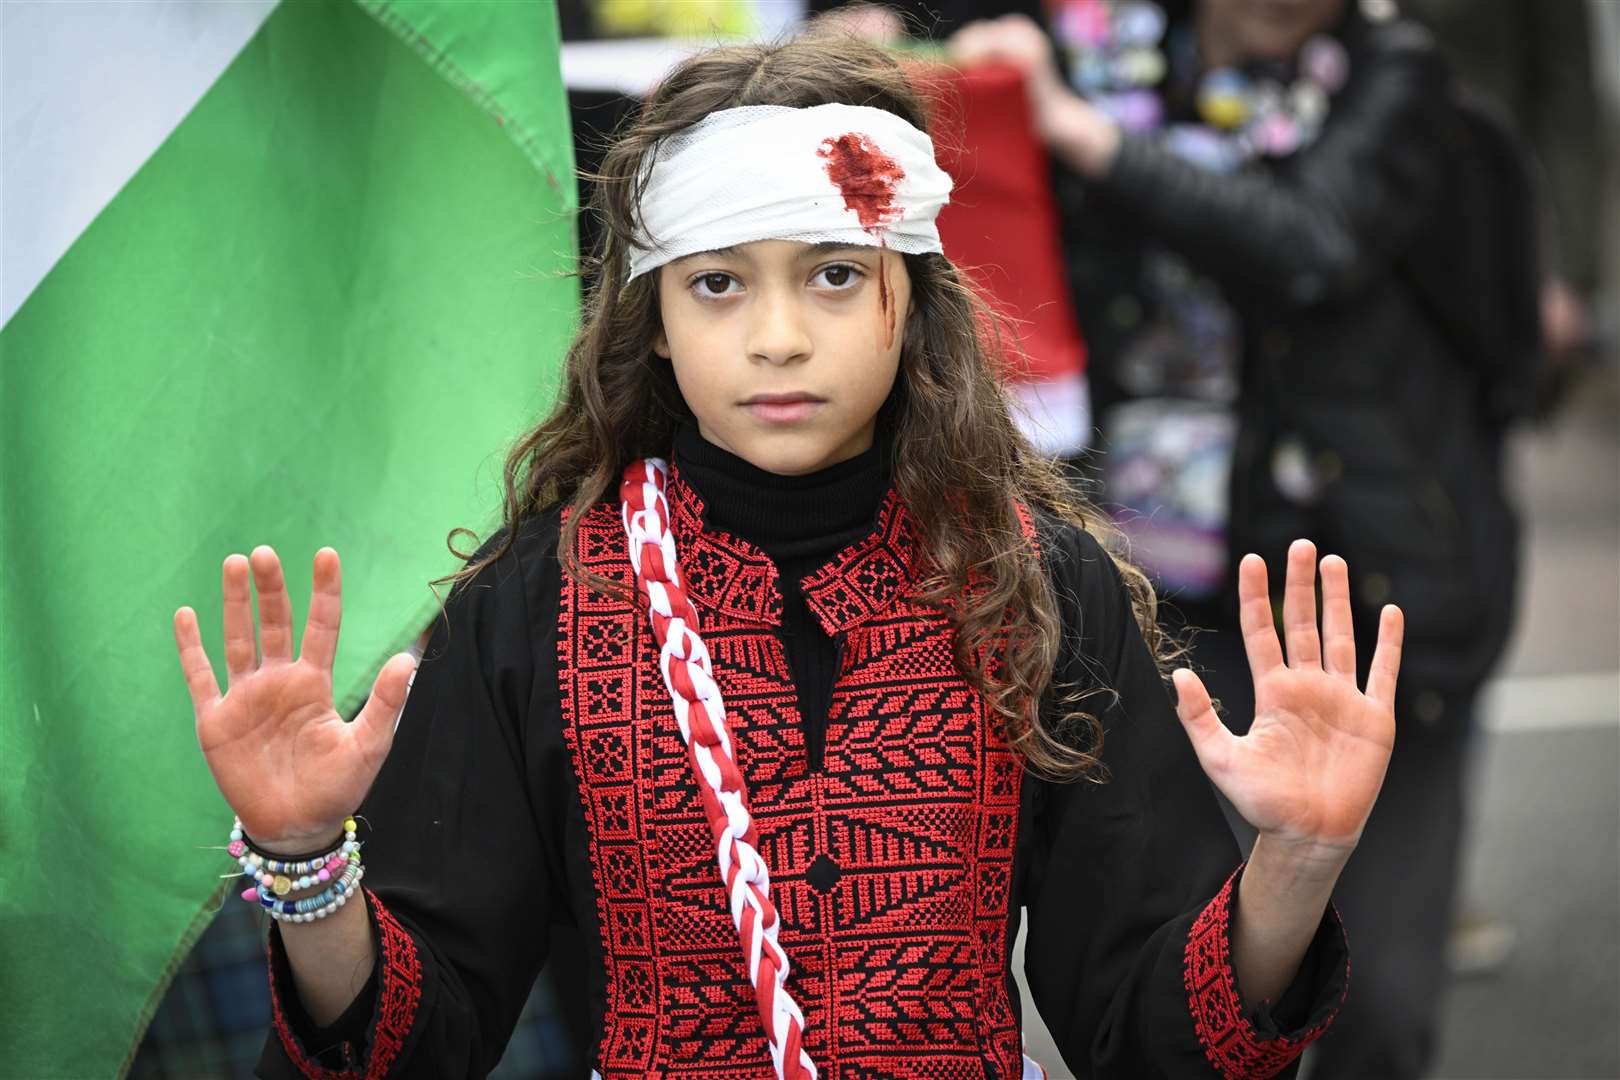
(849, 174)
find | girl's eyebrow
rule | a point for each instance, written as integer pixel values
(826, 247)
(721, 252)
(823, 247)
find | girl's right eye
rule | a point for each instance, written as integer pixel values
(712, 284)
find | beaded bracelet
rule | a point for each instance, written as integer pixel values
(308, 903)
(241, 849)
(349, 885)
(279, 885)
(267, 895)
(323, 912)
(279, 875)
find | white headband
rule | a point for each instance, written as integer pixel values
(848, 174)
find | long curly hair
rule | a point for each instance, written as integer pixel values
(959, 462)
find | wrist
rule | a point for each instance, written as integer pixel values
(1295, 861)
(299, 846)
(301, 886)
(1081, 134)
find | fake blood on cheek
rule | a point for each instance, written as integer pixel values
(885, 302)
(868, 179)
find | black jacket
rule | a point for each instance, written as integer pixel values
(1338, 262)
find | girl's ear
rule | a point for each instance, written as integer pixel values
(661, 344)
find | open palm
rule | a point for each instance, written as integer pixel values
(284, 759)
(1310, 767)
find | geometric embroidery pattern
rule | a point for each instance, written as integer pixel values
(1229, 1039)
(397, 1000)
(897, 939)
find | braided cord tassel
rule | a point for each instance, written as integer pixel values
(701, 714)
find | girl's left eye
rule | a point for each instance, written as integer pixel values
(840, 275)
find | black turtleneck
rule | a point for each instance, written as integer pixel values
(801, 522)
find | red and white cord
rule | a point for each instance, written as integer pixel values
(700, 711)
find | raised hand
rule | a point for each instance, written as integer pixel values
(286, 762)
(1015, 40)
(1311, 765)
(1079, 133)
(1018, 42)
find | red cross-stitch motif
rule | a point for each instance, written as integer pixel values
(398, 996)
(891, 866)
(1229, 1039)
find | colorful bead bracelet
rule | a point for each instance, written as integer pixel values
(279, 885)
(339, 897)
(244, 853)
(283, 877)
(309, 903)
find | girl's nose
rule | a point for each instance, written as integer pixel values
(779, 332)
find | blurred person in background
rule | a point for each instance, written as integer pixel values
(887, 21)
(1533, 60)
(1306, 272)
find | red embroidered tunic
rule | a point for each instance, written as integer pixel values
(537, 782)
(891, 865)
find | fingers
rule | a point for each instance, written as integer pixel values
(382, 709)
(1386, 661)
(275, 609)
(1197, 712)
(240, 654)
(325, 610)
(1012, 39)
(1338, 632)
(971, 43)
(194, 665)
(1299, 606)
(1254, 616)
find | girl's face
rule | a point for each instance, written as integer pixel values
(785, 351)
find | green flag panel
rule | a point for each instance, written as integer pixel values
(317, 315)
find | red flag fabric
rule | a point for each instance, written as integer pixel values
(1002, 221)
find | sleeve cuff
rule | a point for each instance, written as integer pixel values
(1127, 168)
(1252, 1045)
(367, 1039)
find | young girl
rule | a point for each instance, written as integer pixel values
(796, 727)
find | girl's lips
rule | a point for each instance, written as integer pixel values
(783, 412)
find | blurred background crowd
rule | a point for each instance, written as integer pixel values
(1345, 269)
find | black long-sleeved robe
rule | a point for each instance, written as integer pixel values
(536, 778)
